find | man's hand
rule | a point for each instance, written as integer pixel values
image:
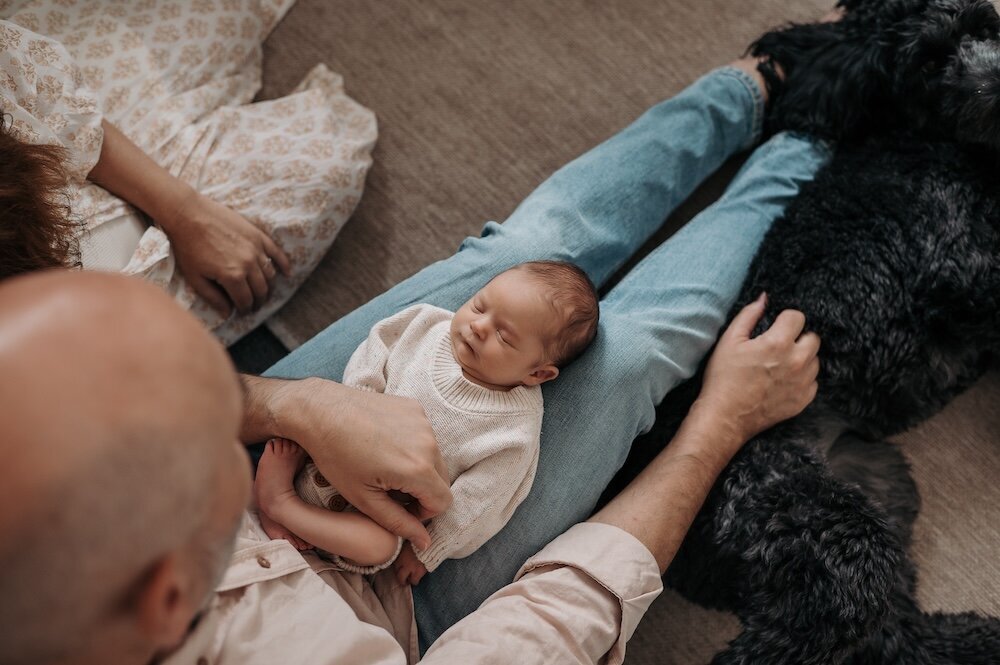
(409, 569)
(761, 381)
(750, 384)
(366, 444)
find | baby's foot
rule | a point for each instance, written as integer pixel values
(274, 484)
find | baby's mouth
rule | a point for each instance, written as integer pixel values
(458, 339)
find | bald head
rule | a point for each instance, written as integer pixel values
(120, 417)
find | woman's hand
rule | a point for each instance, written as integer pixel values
(759, 382)
(367, 445)
(226, 259)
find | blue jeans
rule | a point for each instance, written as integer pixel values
(656, 324)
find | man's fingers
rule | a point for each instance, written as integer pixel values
(812, 370)
(788, 326)
(433, 493)
(806, 348)
(811, 393)
(422, 513)
(430, 488)
(395, 518)
(809, 344)
(743, 324)
(211, 294)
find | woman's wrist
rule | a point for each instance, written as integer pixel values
(128, 172)
(171, 204)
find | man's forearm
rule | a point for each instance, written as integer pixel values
(260, 421)
(283, 408)
(659, 506)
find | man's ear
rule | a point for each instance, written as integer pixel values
(541, 375)
(166, 603)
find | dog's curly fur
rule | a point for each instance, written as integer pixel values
(893, 254)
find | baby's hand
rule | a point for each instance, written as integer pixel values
(409, 570)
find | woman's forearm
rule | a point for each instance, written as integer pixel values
(224, 258)
(659, 506)
(129, 173)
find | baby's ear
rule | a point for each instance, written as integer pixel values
(541, 375)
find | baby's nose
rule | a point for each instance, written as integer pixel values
(478, 327)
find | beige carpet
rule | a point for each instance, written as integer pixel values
(478, 101)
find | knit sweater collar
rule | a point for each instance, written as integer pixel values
(463, 394)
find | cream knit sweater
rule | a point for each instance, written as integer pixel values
(488, 438)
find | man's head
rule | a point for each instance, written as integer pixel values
(121, 479)
(526, 324)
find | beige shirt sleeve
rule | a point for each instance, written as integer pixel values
(273, 607)
(41, 93)
(577, 601)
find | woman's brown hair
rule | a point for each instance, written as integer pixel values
(36, 229)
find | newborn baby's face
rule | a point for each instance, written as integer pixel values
(500, 335)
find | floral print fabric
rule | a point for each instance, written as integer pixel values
(177, 78)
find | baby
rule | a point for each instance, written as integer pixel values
(477, 373)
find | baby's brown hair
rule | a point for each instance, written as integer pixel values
(574, 296)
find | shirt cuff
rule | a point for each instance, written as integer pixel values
(616, 560)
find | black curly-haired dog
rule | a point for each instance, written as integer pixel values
(893, 254)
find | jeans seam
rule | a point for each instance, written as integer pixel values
(757, 100)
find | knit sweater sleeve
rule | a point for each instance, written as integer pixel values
(485, 496)
(367, 367)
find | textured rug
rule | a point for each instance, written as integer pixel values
(477, 103)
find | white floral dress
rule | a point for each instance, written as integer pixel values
(177, 77)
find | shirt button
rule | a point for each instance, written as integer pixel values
(263, 562)
(337, 503)
(320, 480)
